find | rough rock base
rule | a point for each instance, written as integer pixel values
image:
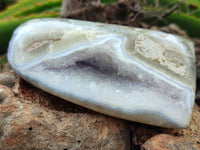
(33, 119)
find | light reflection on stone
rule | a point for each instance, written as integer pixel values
(131, 73)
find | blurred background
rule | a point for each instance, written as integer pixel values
(137, 13)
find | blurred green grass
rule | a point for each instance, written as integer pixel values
(18, 7)
(39, 8)
(25, 10)
(186, 18)
(107, 2)
(188, 23)
(7, 27)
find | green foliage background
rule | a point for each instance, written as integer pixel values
(187, 18)
(22, 11)
(25, 10)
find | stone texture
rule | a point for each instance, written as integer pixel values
(8, 79)
(33, 119)
(168, 142)
(174, 29)
(30, 120)
(108, 68)
(142, 133)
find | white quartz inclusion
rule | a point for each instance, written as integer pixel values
(135, 74)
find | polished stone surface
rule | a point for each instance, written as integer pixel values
(131, 73)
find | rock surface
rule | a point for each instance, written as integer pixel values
(108, 68)
(33, 119)
(141, 134)
(168, 142)
(30, 120)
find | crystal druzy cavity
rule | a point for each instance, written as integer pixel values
(135, 74)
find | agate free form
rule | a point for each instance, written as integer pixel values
(130, 73)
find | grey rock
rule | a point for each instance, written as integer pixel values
(131, 73)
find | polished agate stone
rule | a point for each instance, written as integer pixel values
(135, 74)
